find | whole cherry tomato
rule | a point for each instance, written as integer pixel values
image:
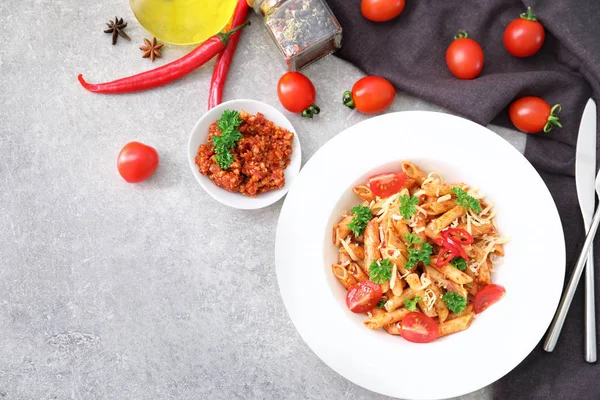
(297, 94)
(387, 184)
(488, 295)
(524, 36)
(370, 95)
(419, 328)
(381, 10)
(363, 297)
(464, 57)
(137, 162)
(532, 115)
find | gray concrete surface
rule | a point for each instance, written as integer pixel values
(151, 291)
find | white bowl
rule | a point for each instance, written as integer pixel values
(238, 200)
(532, 273)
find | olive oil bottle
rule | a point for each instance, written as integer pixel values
(183, 21)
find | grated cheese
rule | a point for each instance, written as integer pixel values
(394, 276)
(406, 274)
(445, 197)
(419, 230)
(419, 193)
(437, 192)
(349, 249)
(397, 217)
(454, 224)
(421, 210)
(425, 282)
(429, 298)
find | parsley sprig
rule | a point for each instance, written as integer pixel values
(459, 263)
(380, 271)
(414, 254)
(223, 143)
(407, 205)
(362, 216)
(466, 201)
(411, 305)
(381, 302)
(455, 302)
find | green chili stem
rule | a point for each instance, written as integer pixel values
(529, 16)
(553, 118)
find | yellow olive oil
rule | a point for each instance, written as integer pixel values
(183, 21)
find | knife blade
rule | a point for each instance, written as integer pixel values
(585, 174)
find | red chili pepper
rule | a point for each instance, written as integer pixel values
(457, 248)
(168, 72)
(452, 245)
(458, 236)
(224, 60)
(445, 257)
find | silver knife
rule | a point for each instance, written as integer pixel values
(585, 170)
(585, 175)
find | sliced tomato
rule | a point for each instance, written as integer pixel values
(419, 328)
(488, 295)
(445, 257)
(458, 235)
(363, 297)
(384, 185)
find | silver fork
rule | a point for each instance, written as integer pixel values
(565, 302)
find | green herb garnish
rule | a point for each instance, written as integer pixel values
(466, 201)
(380, 271)
(459, 263)
(455, 302)
(223, 143)
(362, 216)
(411, 305)
(381, 303)
(407, 205)
(415, 255)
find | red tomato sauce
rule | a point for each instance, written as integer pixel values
(260, 157)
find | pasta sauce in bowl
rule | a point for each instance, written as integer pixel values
(244, 153)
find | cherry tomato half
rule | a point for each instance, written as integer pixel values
(137, 162)
(419, 328)
(370, 95)
(488, 295)
(297, 94)
(532, 115)
(381, 10)
(385, 185)
(363, 297)
(524, 36)
(464, 57)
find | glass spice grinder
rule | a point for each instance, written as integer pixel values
(303, 30)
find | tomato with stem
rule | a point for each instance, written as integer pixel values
(464, 57)
(532, 114)
(363, 297)
(385, 185)
(524, 36)
(381, 10)
(137, 162)
(419, 328)
(297, 94)
(486, 296)
(370, 95)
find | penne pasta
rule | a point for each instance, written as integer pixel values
(415, 239)
(364, 192)
(343, 276)
(386, 318)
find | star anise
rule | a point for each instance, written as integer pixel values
(116, 28)
(151, 49)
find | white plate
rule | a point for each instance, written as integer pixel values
(237, 200)
(533, 270)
